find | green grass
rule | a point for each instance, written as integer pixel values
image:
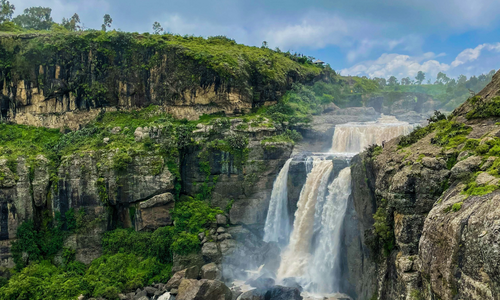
(484, 109)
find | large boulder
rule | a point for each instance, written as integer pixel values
(211, 271)
(261, 283)
(283, 293)
(465, 167)
(189, 273)
(155, 212)
(203, 289)
(257, 294)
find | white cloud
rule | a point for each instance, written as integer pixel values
(469, 55)
(405, 65)
(398, 65)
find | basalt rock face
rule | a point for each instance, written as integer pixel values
(139, 196)
(70, 78)
(242, 189)
(422, 236)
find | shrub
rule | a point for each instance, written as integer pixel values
(121, 160)
(483, 109)
(457, 206)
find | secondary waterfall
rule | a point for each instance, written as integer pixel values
(277, 228)
(355, 137)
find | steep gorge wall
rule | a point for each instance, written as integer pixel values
(56, 80)
(140, 195)
(428, 213)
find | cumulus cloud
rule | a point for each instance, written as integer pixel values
(405, 65)
(469, 55)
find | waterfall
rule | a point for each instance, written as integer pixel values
(296, 256)
(324, 268)
(355, 137)
(277, 227)
(313, 252)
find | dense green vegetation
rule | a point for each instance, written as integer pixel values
(131, 259)
(483, 109)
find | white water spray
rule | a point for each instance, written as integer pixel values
(355, 137)
(277, 228)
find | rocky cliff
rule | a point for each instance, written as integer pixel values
(66, 79)
(427, 208)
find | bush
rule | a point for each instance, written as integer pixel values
(417, 134)
(121, 160)
(483, 109)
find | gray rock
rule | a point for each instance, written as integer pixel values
(123, 297)
(182, 262)
(201, 236)
(150, 290)
(140, 295)
(462, 155)
(261, 282)
(486, 179)
(488, 163)
(465, 167)
(191, 289)
(283, 293)
(143, 298)
(192, 272)
(211, 271)
(115, 130)
(176, 279)
(256, 294)
(210, 252)
(105, 140)
(221, 230)
(221, 219)
(224, 236)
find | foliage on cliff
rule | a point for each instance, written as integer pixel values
(91, 64)
(131, 259)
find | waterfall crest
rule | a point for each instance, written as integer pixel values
(277, 227)
(296, 256)
(355, 137)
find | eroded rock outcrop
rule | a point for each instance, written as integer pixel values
(428, 212)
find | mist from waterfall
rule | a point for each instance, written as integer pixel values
(277, 228)
(355, 137)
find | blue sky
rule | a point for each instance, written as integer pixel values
(358, 37)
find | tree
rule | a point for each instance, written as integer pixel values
(6, 11)
(420, 77)
(381, 82)
(264, 44)
(442, 78)
(393, 81)
(37, 18)
(107, 22)
(157, 29)
(73, 23)
(462, 79)
(405, 81)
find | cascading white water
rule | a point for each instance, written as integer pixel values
(277, 228)
(355, 137)
(324, 269)
(296, 256)
(313, 252)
